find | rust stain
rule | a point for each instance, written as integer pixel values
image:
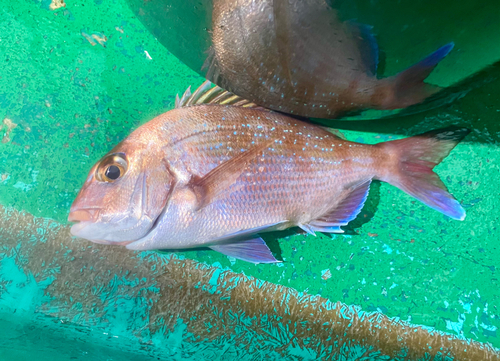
(56, 4)
(88, 37)
(9, 124)
(326, 275)
(95, 38)
(86, 277)
(101, 39)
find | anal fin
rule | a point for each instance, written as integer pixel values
(252, 250)
(307, 228)
(345, 212)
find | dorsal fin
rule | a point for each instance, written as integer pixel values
(208, 94)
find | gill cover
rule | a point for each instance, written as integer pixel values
(122, 197)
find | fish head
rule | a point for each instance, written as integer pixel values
(124, 194)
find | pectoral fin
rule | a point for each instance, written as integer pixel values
(219, 179)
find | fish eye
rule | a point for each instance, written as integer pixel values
(112, 172)
(112, 168)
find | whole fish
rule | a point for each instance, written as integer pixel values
(298, 57)
(218, 170)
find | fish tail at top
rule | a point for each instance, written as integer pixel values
(412, 163)
(408, 87)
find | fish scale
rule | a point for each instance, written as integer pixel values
(305, 182)
(218, 175)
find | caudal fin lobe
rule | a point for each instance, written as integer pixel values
(408, 87)
(412, 172)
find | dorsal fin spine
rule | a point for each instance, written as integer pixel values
(209, 94)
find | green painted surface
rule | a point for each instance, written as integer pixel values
(405, 31)
(72, 101)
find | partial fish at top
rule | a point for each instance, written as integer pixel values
(297, 57)
(218, 170)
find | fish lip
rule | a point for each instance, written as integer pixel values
(83, 214)
(110, 243)
(81, 225)
(124, 243)
(78, 226)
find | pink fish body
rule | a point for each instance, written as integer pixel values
(298, 57)
(217, 175)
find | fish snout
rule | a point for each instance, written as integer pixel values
(80, 215)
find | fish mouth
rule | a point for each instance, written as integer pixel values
(103, 241)
(86, 227)
(79, 216)
(81, 230)
(82, 214)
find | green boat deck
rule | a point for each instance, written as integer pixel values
(75, 80)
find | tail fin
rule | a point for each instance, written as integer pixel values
(408, 87)
(416, 157)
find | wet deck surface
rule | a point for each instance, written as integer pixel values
(74, 81)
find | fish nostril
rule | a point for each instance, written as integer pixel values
(79, 216)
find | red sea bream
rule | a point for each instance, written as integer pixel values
(301, 58)
(218, 170)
